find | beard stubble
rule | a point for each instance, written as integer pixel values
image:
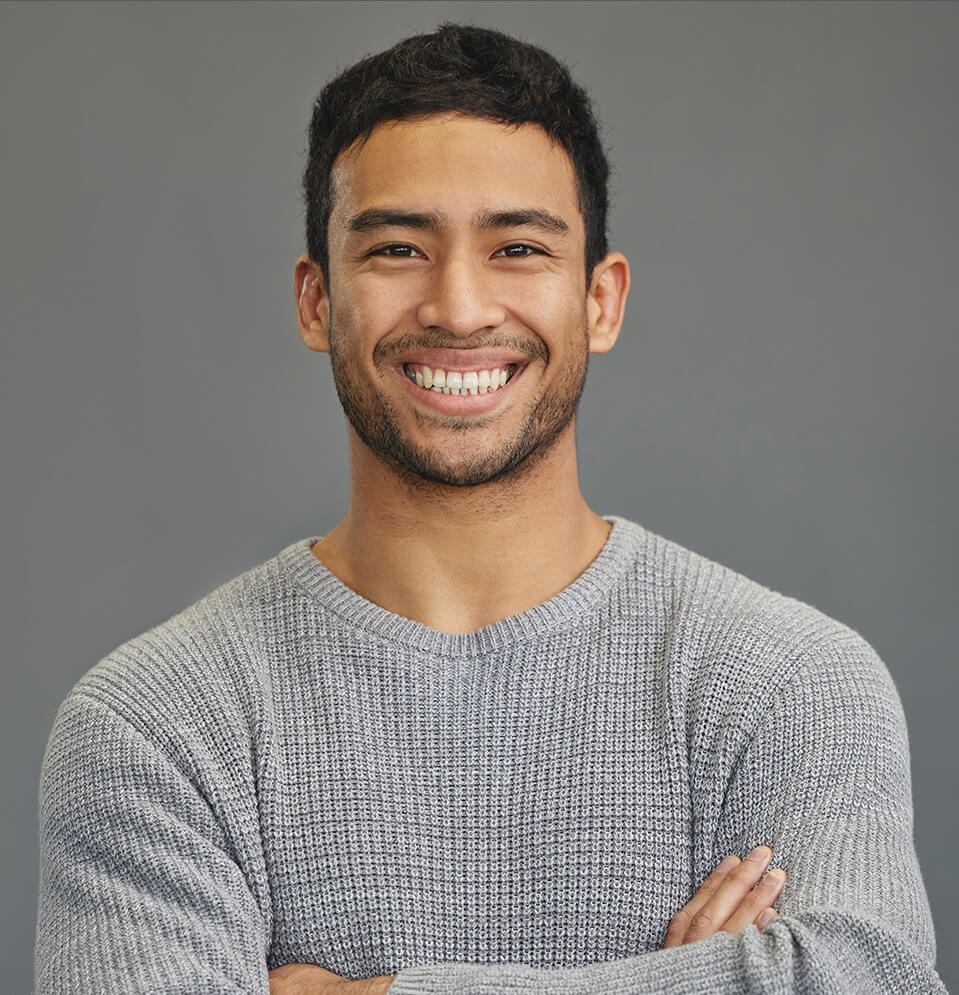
(375, 421)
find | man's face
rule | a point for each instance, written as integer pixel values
(456, 257)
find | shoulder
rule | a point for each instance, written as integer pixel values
(205, 661)
(724, 631)
(739, 658)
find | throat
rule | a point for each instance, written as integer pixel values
(460, 580)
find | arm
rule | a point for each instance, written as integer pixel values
(309, 979)
(139, 891)
(728, 899)
(825, 782)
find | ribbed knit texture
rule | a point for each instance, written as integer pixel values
(287, 772)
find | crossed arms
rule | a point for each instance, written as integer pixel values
(730, 899)
(141, 891)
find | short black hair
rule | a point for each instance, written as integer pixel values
(457, 68)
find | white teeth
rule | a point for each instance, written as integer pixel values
(460, 384)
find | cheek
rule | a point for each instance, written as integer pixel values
(356, 327)
(376, 311)
(551, 312)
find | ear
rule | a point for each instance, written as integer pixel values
(606, 301)
(312, 305)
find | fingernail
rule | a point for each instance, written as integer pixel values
(777, 874)
(762, 854)
(767, 917)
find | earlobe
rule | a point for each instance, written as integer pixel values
(312, 305)
(606, 301)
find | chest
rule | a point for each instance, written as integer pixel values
(478, 814)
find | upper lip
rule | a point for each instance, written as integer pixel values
(463, 359)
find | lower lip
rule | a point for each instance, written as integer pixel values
(459, 404)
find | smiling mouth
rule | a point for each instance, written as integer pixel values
(459, 381)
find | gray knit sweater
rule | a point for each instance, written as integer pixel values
(287, 772)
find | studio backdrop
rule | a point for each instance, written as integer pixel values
(782, 398)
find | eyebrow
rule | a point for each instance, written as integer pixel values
(383, 217)
(526, 218)
(374, 218)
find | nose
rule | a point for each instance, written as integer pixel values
(460, 299)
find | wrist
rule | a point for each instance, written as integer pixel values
(378, 985)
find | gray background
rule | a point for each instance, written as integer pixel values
(782, 399)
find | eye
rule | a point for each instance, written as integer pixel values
(397, 251)
(519, 251)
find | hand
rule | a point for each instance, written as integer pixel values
(727, 900)
(308, 979)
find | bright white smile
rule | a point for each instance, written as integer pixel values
(459, 382)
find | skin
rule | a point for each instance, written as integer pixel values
(464, 512)
(405, 542)
(308, 979)
(729, 900)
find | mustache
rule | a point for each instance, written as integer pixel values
(388, 350)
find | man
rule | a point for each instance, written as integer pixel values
(477, 737)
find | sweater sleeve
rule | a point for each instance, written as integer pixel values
(139, 892)
(825, 781)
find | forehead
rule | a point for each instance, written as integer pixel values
(455, 164)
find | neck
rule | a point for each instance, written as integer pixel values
(460, 558)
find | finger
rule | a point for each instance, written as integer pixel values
(765, 918)
(729, 896)
(761, 897)
(711, 885)
(679, 924)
